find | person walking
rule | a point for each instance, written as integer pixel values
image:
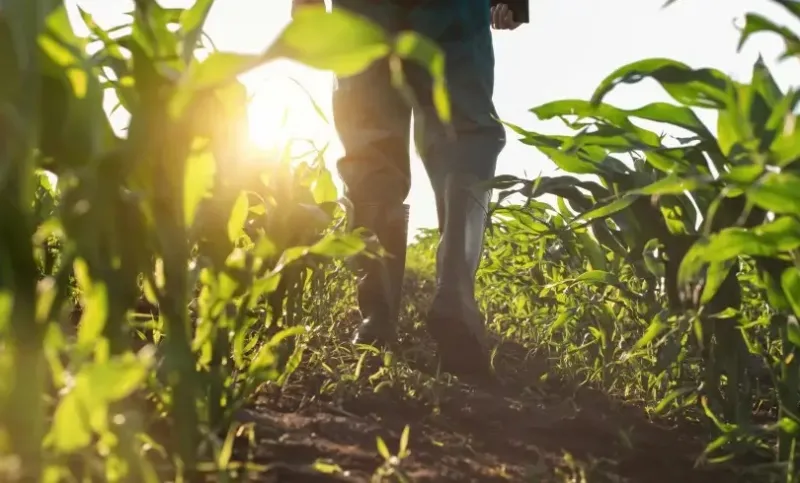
(373, 122)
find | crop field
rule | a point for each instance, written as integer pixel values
(174, 308)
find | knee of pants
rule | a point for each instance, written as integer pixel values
(373, 122)
(473, 153)
(371, 181)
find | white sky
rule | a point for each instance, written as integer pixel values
(564, 53)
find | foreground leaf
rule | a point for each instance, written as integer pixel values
(707, 88)
(339, 41)
(768, 240)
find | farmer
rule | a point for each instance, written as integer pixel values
(373, 121)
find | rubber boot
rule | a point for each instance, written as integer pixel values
(380, 281)
(454, 319)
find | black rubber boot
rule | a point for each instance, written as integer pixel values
(454, 319)
(380, 281)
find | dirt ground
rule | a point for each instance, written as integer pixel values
(322, 426)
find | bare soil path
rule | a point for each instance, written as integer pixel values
(323, 424)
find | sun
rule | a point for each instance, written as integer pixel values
(288, 111)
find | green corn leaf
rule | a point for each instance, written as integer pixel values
(339, 41)
(597, 276)
(238, 217)
(198, 181)
(793, 331)
(707, 88)
(192, 21)
(70, 429)
(767, 240)
(715, 277)
(662, 112)
(383, 450)
(656, 327)
(605, 209)
(114, 379)
(755, 23)
(674, 184)
(777, 192)
(426, 53)
(336, 246)
(323, 188)
(790, 282)
(215, 72)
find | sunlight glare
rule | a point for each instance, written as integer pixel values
(282, 113)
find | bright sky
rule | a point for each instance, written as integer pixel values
(564, 53)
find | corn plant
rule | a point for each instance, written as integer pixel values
(158, 220)
(710, 215)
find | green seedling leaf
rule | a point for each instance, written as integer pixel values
(755, 23)
(560, 321)
(114, 379)
(339, 246)
(767, 240)
(674, 184)
(217, 71)
(605, 209)
(93, 304)
(653, 263)
(291, 365)
(777, 192)
(238, 217)
(383, 450)
(6, 305)
(96, 386)
(793, 331)
(663, 112)
(672, 396)
(715, 277)
(192, 21)
(593, 251)
(339, 41)
(790, 282)
(226, 451)
(70, 430)
(61, 45)
(317, 108)
(327, 468)
(597, 276)
(198, 181)
(656, 327)
(708, 88)
(404, 441)
(323, 188)
(423, 51)
(743, 175)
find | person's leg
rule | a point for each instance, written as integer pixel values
(373, 123)
(456, 165)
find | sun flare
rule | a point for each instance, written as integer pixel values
(283, 113)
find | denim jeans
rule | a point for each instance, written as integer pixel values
(373, 121)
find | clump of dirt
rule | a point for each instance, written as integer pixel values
(524, 426)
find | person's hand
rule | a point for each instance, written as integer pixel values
(297, 4)
(503, 18)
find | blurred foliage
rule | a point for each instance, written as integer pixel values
(152, 282)
(668, 269)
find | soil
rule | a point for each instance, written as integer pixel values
(522, 427)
